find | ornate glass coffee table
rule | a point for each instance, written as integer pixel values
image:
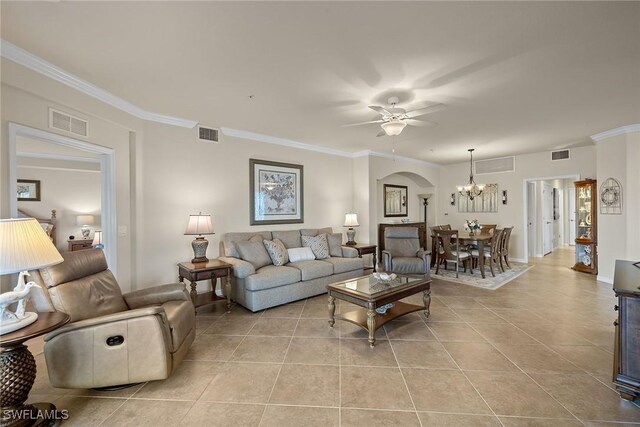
(369, 293)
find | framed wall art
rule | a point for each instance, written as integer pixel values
(276, 192)
(28, 190)
(395, 200)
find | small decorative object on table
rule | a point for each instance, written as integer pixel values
(97, 240)
(471, 225)
(198, 225)
(384, 277)
(85, 221)
(384, 308)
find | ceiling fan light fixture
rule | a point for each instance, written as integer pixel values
(393, 127)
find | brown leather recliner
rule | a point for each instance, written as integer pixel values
(112, 339)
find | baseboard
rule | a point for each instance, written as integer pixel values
(520, 260)
(608, 280)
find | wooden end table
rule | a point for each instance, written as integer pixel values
(18, 373)
(365, 249)
(368, 293)
(210, 270)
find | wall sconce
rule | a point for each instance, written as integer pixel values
(453, 199)
(504, 197)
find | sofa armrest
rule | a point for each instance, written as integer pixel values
(241, 268)
(386, 260)
(348, 252)
(156, 295)
(110, 318)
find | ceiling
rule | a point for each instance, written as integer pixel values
(516, 77)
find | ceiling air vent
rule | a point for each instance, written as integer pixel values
(208, 134)
(503, 164)
(66, 122)
(560, 155)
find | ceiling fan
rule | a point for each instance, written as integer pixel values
(393, 120)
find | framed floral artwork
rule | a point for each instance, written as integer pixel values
(276, 192)
(28, 190)
(395, 200)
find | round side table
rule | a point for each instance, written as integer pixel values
(18, 372)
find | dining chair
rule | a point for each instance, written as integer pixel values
(491, 252)
(434, 240)
(446, 253)
(504, 250)
(487, 229)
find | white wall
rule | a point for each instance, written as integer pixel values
(528, 166)
(618, 235)
(70, 193)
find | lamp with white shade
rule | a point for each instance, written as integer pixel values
(97, 240)
(24, 246)
(199, 225)
(393, 127)
(85, 221)
(351, 220)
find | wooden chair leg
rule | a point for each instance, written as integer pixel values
(491, 267)
(438, 262)
(506, 259)
(501, 266)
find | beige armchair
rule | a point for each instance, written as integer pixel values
(402, 252)
(112, 339)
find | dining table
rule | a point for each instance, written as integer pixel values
(481, 240)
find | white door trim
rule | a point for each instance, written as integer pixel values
(107, 180)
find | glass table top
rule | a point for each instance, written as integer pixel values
(370, 286)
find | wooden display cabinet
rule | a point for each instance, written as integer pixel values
(586, 226)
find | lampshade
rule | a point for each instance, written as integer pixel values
(393, 127)
(84, 220)
(351, 220)
(199, 224)
(25, 246)
(425, 196)
(97, 238)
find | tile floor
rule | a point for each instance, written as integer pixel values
(536, 352)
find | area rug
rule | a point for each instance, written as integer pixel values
(475, 279)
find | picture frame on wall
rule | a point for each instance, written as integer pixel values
(395, 200)
(276, 192)
(28, 190)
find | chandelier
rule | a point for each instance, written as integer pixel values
(471, 190)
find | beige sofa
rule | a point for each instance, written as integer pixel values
(270, 285)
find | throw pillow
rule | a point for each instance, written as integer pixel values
(254, 252)
(335, 244)
(300, 254)
(318, 245)
(277, 251)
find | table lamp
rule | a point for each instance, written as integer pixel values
(351, 220)
(198, 226)
(85, 221)
(24, 246)
(97, 240)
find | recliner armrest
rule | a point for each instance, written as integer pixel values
(109, 318)
(241, 268)
(386, 260)
(156, 295)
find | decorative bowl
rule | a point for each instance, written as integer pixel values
(383, 309)
(384, 277)
(405, 220)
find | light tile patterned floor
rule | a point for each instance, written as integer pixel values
(536, 352)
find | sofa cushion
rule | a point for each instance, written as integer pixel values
(313, 269)
(272, 276)
(254, 252)
(335, 244)
(342, 265)
(181, 320)
(318, 245)
(408, 265)
(315, 231)
(229, 240)
(277, 251)
(290, 238)
(300, 254)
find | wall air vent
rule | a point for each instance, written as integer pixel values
(209, 134)
(66, 122)
(502, 164)
(560, 155)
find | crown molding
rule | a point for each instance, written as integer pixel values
(39, 65)
(615, 132)
(393, 157)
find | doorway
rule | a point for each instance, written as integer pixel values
(104, 156)
(547, 218)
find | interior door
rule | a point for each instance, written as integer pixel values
(572, 216)
(547, 219)
(531, 217)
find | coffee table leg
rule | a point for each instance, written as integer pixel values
(426, 297)
(332, 311)
(371, 326)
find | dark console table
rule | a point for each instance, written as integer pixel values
(626, 362)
